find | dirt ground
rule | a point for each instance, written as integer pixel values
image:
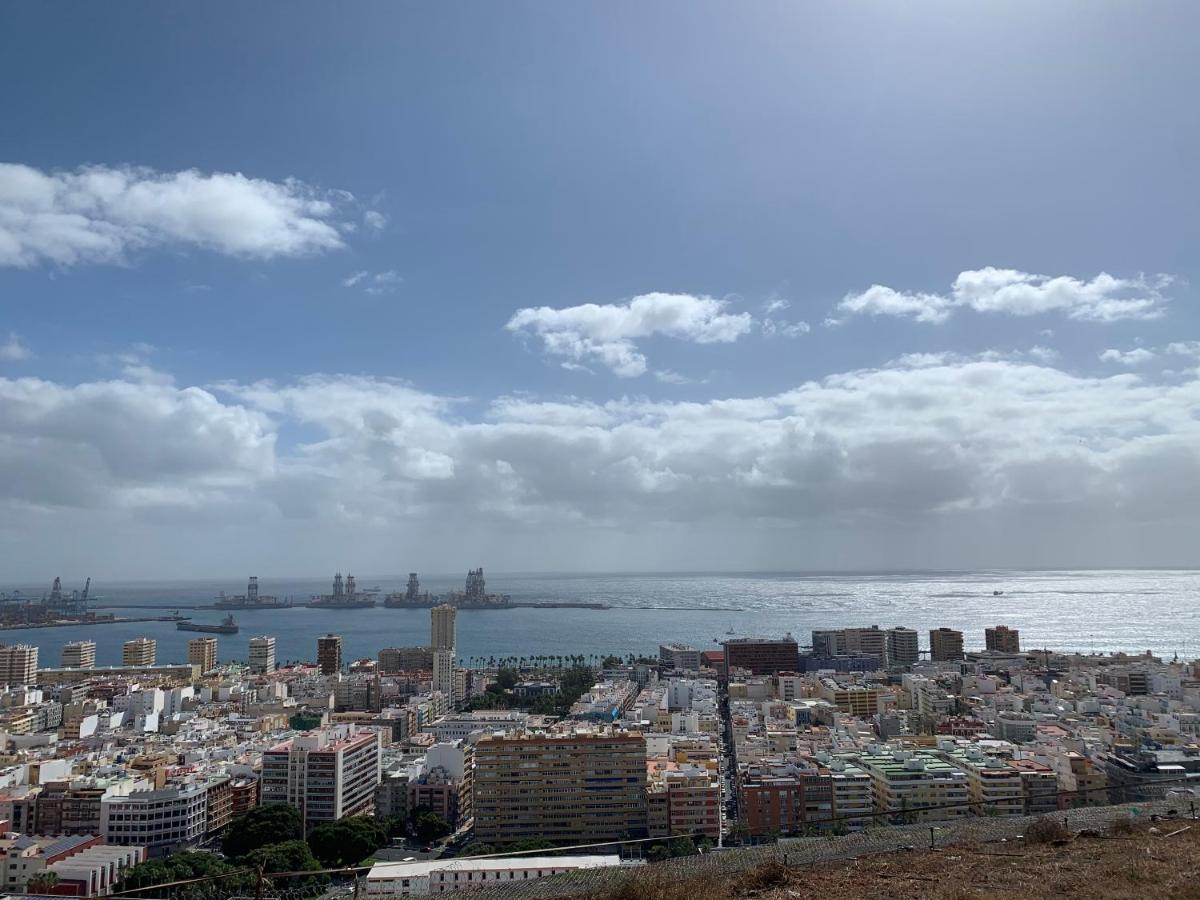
(1142, 863)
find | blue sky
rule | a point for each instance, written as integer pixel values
(325, 359)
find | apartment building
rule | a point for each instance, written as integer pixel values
(202, 653)
(992, 784)
(580, 786)
(853, 794)
(406, 659)
(1002, 639)
(903, 647)
(326, 774)
(761, 656)
(262, 654)
(18, 664)
(945, 645)
(1039, 785)
(329, 654)
(63, 808)
(693, 801)
(785, 797)
(79, 655)
(915, 785)
(139, 652)
(860, 700)
(680, 657)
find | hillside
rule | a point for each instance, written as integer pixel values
(1143, 861)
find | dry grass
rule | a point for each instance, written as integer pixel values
(1142, 862)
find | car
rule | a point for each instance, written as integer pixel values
(427, 849)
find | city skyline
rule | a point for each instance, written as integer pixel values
(677, 288)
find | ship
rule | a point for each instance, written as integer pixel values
(345, 596)
(412, 598)
(228, 626)
(474, 597)
(252, 599)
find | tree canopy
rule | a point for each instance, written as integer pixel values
(273, 823)
(348, 841)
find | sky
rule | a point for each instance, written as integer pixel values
(290, 288)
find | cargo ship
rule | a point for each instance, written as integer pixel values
(228, 626)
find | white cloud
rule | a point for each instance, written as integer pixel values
(1132, 358)
(13, 350)
(99, 214)
(1011, 292)
(607, 333)
(374, 220)
(939, 436)
(779, 328)
(374, 284)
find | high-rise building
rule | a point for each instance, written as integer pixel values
(945, 645)
(903, 647)
(329, 654)
(444, 655)
(442, 627)
(861, 642)
(578, 787)
(18, 664)
(139, 652)
(326, 774)
(202, 652)
(762, 656)
(1002, 639)
(79, 655)
(262, 655)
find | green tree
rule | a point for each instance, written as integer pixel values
(658, 852)
(429, 826)
(273, 823)
(348, 841)
(43, 882)
(289, 856)
(190, 864)
(682, 846)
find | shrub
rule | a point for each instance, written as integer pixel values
(1046, 830)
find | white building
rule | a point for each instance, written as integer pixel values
(679, 656)
(162, 821)
(421, 879)
(326, 773)
(262, 655)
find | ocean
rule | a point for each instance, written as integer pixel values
(1130, 610)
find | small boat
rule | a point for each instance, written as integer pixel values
(997, 593)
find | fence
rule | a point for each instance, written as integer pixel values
(349, 883)
(810, 851)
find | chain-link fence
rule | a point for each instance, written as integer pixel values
(810, 851)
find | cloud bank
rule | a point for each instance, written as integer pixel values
(1011, 292)
(923, 438)
(100, 214)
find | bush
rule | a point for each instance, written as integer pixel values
(1046, 830)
